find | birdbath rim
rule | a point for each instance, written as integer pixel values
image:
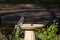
(31, 26)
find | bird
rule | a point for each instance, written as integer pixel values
(21, 20)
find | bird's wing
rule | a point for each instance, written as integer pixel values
(21, 20)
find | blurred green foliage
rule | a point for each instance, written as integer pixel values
(16, 35)
(49, 33)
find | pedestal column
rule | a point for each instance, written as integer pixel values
(29, 35)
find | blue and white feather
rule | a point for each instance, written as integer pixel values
(21, 20)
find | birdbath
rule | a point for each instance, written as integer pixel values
(29, 30)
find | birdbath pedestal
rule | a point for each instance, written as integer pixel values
(29, 30)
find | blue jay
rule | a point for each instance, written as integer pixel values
(21, 20)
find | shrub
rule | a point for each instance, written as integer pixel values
(49, 33)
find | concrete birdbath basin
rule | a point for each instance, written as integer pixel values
(29, 30)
